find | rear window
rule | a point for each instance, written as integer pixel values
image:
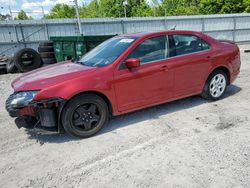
(186, 44)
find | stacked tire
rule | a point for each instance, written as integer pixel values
(25, 60)
(46, 51)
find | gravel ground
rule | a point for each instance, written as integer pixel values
(186, 143)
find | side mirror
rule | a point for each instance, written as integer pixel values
(132, 63)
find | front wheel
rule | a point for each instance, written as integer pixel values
(215, 86)
(85, 115)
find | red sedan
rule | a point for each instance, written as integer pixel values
(124, 74)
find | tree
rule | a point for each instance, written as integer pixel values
(179, 7)
(247, 6)
(139, 8)
(22, 16)
(221, 6)
(115, 8)
(61, 11)
(90, 11)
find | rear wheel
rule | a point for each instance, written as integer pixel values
(215, 86)
(85, 115)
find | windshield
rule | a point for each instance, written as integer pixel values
(108, 51)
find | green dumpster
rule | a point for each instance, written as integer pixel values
(74, 47)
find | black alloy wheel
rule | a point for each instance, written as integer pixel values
(85, 115)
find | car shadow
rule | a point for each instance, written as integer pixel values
(163, 109)
(43, 136)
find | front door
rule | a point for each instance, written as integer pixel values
(151, 82)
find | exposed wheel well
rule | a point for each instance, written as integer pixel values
(225, 70)
(104, 97)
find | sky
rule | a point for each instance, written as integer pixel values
(33, 7)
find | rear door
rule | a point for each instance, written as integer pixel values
(190, 59)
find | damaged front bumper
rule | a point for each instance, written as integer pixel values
(47, 112)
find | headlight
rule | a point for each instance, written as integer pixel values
(22, 99)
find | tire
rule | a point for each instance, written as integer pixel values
(48, 61)
(10, 67)
(79, 111)
(214, 90)
(47, 55)
(45, 43)
(42, 49)
(27, 59)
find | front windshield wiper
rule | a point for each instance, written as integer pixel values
(82, 63)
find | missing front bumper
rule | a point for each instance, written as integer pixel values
(47, 112)
(48, 117)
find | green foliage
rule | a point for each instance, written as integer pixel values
(140, 8)
(221, 6)
(61, 11)
(247, 6)
(22, 16)
(90, 11)
(179, 7)
(115, 8)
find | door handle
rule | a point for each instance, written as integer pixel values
(164, 68)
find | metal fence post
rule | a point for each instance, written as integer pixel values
(165, 23)
(17, 38)
(23, 39)
(123, 27)
(203, 25)
(234, 29)
(46, 30)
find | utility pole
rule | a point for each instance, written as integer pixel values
(43, 11)
(125, 3)
(125, 12)
(45, 25)
(78, 17)
(11, 13)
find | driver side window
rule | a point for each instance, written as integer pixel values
(152, 49)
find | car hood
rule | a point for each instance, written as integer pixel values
(50, 76)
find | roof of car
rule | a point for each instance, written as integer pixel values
(145, 34)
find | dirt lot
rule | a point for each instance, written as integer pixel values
(186, 143)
